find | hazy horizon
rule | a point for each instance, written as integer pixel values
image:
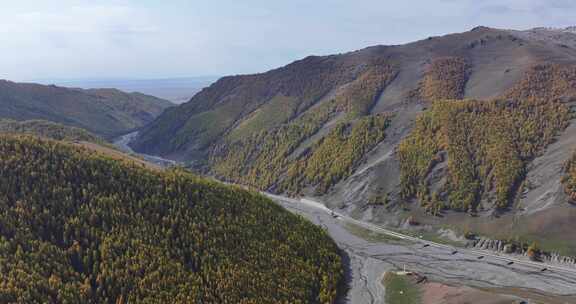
(128, 39)
(99, 79)
(177, 90)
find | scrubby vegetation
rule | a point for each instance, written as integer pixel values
(277, 111)
(48, 129)
(108, 232)
(488, 143)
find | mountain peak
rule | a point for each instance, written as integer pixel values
(481, 28)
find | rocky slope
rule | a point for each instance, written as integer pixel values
(477, 122)
(106, 112)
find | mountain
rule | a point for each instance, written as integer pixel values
(106, 112)
(471, 130)
(111, 231)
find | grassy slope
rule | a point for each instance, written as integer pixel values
(400, 290)
(277, 111)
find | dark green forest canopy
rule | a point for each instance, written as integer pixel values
(81, 228)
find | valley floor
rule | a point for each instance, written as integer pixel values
(370, 258)
(371, 251)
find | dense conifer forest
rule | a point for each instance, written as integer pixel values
(82, 228)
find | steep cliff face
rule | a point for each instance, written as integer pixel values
(477, 122)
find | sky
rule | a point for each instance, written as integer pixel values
(90, 39)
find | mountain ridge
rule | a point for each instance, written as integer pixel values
(278, 130)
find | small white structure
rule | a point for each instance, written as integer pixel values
(404, 272)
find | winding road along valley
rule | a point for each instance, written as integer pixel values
(372, 250)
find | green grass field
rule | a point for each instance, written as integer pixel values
(369, 235)
(400, 290)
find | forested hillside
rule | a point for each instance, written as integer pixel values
(108, 232)
(488, 144)
(105, 112)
